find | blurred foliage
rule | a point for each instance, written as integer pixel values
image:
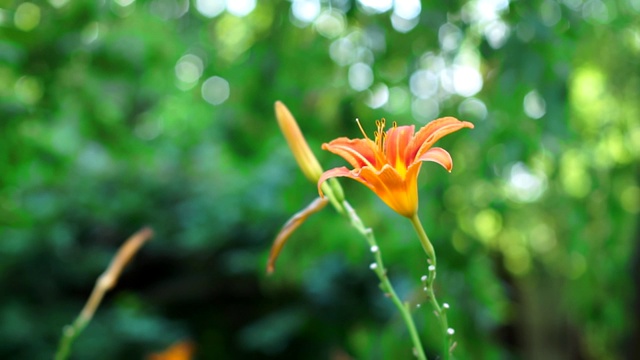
(121, 113)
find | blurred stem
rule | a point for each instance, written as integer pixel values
(105, 282)
(385, 284)
(439, 311)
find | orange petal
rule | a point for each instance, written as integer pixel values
(340, 172)
(438, 155)
(397, 140)
(288, 229)
(357, 152)
(432, 132)
(182, 350)
(400, 194)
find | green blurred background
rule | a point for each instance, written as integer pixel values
(117, 114)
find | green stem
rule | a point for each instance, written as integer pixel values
(385, 284)
(440, 311)
(69, 334)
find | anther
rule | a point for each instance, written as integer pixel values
(432, 268)
(373, 266)
(450, 331)
(424, 278)
(374, 249)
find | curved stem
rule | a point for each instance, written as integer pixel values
(385, 284)
(105, 282)
(440, 311)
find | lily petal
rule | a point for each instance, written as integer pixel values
(398, 138)
(432, 132)
(400, 194)
(340, 172)
(357, 152)
(291, 226)
(438, 155)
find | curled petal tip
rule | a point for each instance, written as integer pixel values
(285, 233)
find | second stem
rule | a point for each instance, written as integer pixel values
(440, 311)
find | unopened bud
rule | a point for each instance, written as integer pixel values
(301, 152)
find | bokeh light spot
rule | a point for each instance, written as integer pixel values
(488, 224)
(305, 10)
(210, 8)
(58, 3)
(240, 8)
(188, 71)
(524, 185)
(342, 51)
(169, 9)
(360, 76)
(29, 90)
(597, 11)
(376, 6)
(407, 9)
(423, 84)
(534, 105)
(27, 16)
(215, 90)
(542, 238)
(425, 109)
(331, 23)
(90, 32)
(472, 109)
(124, 3)
(550, 12)
(403, 25)
(378, 96)
(467, 81)
(497, 33)
(449, 36)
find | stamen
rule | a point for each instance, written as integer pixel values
(380, 134)
(361, 129)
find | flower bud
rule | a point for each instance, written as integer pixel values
(301, 152)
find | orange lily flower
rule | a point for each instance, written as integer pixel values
(389, 164)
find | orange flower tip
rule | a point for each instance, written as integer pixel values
(270, 269)
(182, 350)
(301, 152)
